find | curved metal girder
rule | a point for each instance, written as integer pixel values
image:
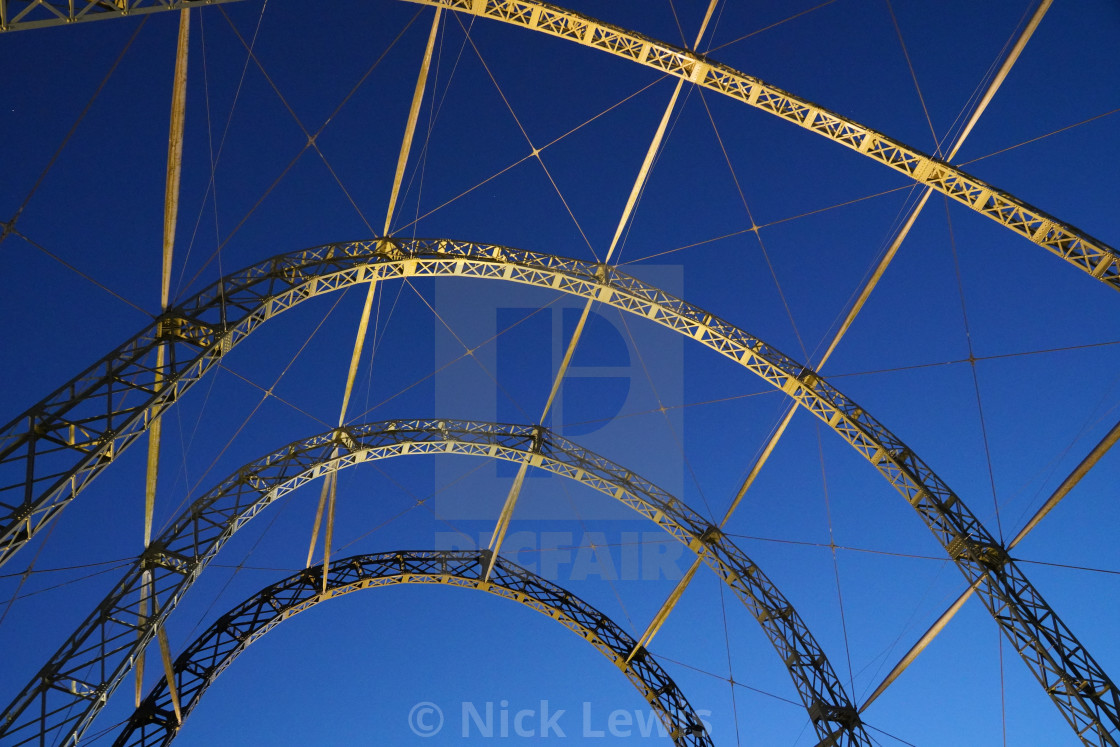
(84, 424)
(1089, 254)
(16, 15)
(107, 641)
(154, 722)
(1075, 246)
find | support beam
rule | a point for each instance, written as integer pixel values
(635, 191)
(168, 667)
(1070, 482)
(667, 607)
(892, 251)
(850, 317)
(865, 293)
(330, 486)
(926, 639)
(1090, 255)
(1082, 469)
(170, 220)
(643, 173)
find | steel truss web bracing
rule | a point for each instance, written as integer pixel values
(50, 452)
(16, 15)
(154, 722)
(1071, 244)
(62, 700)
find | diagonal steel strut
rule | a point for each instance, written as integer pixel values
(506, 514)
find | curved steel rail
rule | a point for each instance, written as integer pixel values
(1089, 254)
(154, 722)
(108, 640)
(57, 447)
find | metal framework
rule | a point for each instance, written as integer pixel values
(154, 722)
(1089, 254)
(64, 697)
(51, 452)
(16, 15)
(54, 449)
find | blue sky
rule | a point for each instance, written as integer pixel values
(350, 671)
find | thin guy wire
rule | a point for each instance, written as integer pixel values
(665, 414)
(303, 149)
(730, 667)
(9, 227)
(835, 560)
(755, 229)
(797, 15)
(872, 196)
(914, 77)
(536, 152)
(211, 186)
(192, 488)
(972, 368)
(83, 275)
(452, 362)
(530, 154)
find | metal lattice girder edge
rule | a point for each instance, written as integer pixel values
(17, 15)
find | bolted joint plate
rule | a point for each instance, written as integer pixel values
(181, 329)
(158, 556)
(992, 557)
(846, 716)
(711, 535)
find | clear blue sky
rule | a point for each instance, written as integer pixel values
(1002, 432)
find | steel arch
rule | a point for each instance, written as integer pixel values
(113, 634)
(1089, 254)
(33, 14)
(154, 722)
(86, 423)
(1085, 252)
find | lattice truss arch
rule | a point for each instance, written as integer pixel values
(154, 722)
(1089, 254)
(1104, 269)
(64, 698)
(53, 450)
(31, 14)
(1085, 252)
